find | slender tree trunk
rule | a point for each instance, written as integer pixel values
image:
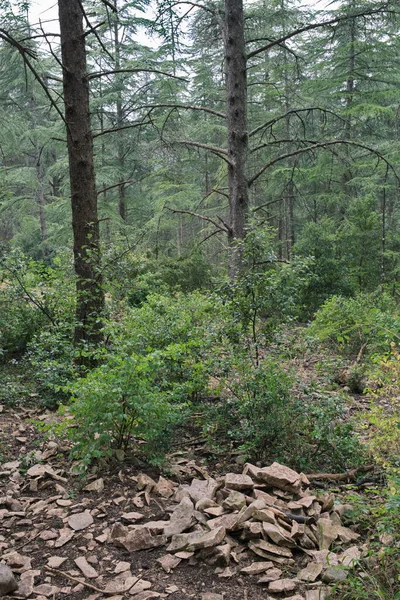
(122, 208)
(41, 200)
(85, 224)
(236, 88)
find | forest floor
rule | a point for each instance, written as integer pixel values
(55, 533)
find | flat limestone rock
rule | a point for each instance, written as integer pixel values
(325, 558)
(88, 571)
(95, 486)
(235, 501)
(257, 568)
(350, 556)
(169, 562)
(200, 488)
(131, 517)
(247, 512)
(55, 562)
(197, 540)
(327, 533)
(122, 567)
(121, 584)
(283, 585)
(211, 596)
(264, 515)
(346, 534)
(318, 594)
(311, 572)
(141, 539)
(280, 477)
(65, 536)
(270, 575)
(18, 562)
(272, 548)
(79, 521)
(7, 581)
(141, 586)
(164, 487)
(277, 535)
(334, 575)
(181, 519)
(238, 482)
(229, 521)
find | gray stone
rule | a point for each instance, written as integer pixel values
(7, 581)
(80, 521)
(238, 482)
(280, 477)
(181, 519)
(334, 575)
(283, 585)
(235, 501)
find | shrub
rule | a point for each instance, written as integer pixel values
(366, 323)
(121, 402)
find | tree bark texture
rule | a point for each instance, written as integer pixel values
(85, 224)
(236, 87)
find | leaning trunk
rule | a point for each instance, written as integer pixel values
(85, 224)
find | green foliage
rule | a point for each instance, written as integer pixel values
(328, 273)
(367, 322)
(121, 401)
(265, 292)
(255, 412)
(135, 276)
(24, 303)
(53, 359)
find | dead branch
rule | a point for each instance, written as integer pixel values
(303, 29)
(322, 145)
(224, 227)
(116, 129)
(184, 107)
(347, 476)
(293, 111)
(75, 579)
(221, 152)
(134, 70)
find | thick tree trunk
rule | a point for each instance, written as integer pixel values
(236, 88)
(85, 224)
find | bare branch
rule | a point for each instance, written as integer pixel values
(111, 187)
(221, 152)
(224, 227)
(109, 5)
(116, 129)
(288, 36)
(184, 107)
(138, 70)
(322, 145)
(195, 5)
(25, 53)
(293, 111)
(4, 35)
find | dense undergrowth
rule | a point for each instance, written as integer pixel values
(226, 361)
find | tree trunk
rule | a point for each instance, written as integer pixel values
(236, 88)
(85, 224)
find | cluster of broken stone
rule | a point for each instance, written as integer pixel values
(267, 517)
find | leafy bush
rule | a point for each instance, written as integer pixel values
(329, 272)
(121, 401)
(366, 323)
(33, 298)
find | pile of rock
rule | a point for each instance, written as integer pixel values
(264, 522)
